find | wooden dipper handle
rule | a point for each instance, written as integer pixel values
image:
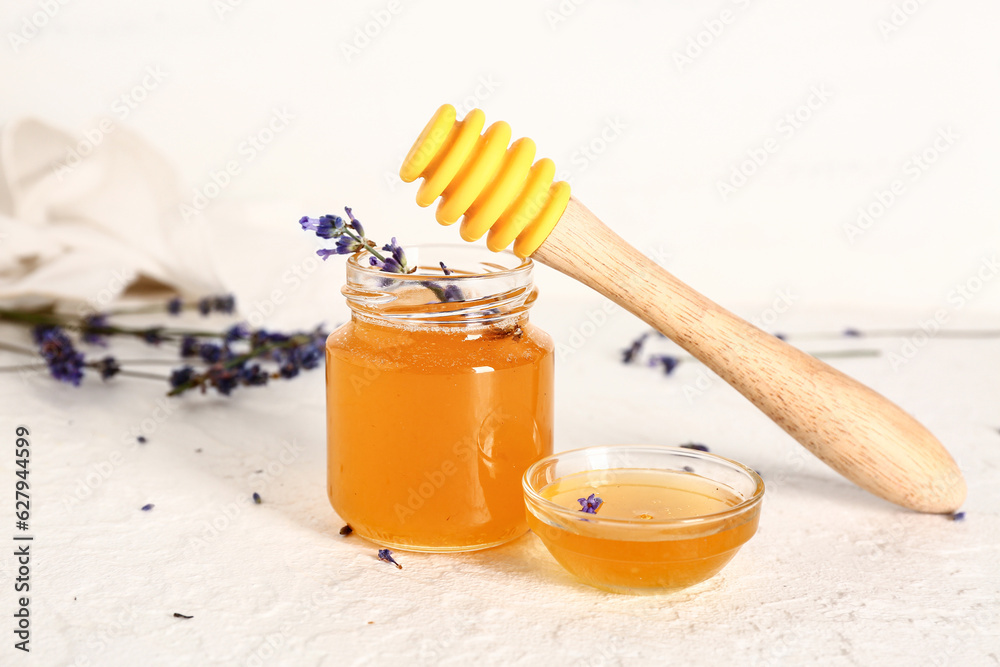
(858, 432)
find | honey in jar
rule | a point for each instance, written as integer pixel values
(439, 397)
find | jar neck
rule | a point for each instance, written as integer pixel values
(481, 288)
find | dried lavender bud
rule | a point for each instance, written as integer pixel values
(852, 333)
(668, 362)
(445, 269)
(141, 439)
(174, 306)
(687, 469)
(236, 332)
(590, 504)
(178, 615)
(355, 223)
(224, 303)
(189, 346)
(345, 246)
(386, 555)
(695, 446)
(64, 362)
(181, 376)
(325, 226)
(632, 352)
(153, 336)
(210, 352)
(256, 498)
(394, 264)
(108, 367)
(147, 507)
(90, 329)
(958, 516)
(346, 530)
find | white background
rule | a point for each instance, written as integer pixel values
(559, 73)
(834, 577)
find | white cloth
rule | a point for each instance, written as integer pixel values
(85, 219)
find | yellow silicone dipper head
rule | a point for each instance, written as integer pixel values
(495, 187)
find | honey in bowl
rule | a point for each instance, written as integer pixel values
(656, 528)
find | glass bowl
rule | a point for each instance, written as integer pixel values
(666, 517)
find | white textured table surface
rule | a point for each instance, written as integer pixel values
(834, 576)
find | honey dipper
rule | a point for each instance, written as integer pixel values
(858, 432)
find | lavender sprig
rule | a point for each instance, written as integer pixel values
(350, 238)
(232, 357)
(228, 370)
(396, 262)
(633, 354)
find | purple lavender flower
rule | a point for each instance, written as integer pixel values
(153, 335)
(852, 333)
(450, 292)
(147, 507)
(262, 336)
(346, 245)
(394, 264)
(108, 367)
(631, 353)
(253, 376)
(174, 306)
(189, 346)
(590, 504)
(355, 223)
(236, 332)
(325, 226)
(224, 303)
(256, 498)
(668, 362)
(64, 362)
(181, 376)
(223, 379)
(445, 269)
(386, 555)
(210, 352)
(695, 446)
(96, 321)
(781, 336)
(309, 356)
(958, 516)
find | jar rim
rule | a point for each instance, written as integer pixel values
(481, 288)
(355, 263)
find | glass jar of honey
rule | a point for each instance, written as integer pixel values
(439, 397)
